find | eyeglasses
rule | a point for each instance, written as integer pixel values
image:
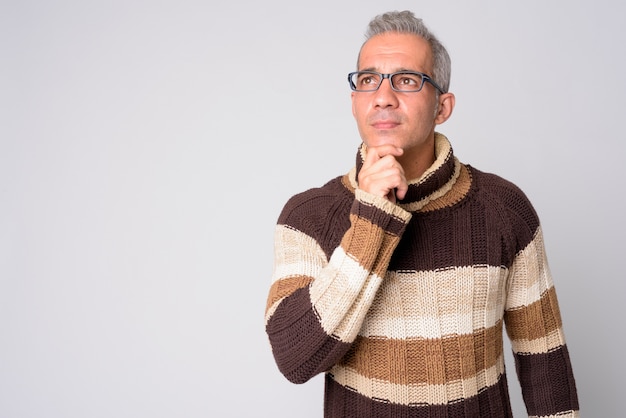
(402, 81)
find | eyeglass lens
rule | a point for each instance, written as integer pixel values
(402, 81)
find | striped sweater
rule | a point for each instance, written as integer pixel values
(402, 306)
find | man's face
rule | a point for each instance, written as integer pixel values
(406, 120)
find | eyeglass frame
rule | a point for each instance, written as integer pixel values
(425, 78)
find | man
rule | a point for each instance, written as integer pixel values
(396, 279)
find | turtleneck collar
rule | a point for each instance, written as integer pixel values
(435, 183)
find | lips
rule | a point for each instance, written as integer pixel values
(384, 124)
(384, 119)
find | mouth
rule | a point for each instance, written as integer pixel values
(385, 124)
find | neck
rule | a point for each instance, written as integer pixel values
(415, 161)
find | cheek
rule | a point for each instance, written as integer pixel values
(360, 117)
(359, 111)
(355, 105)
(423, 110)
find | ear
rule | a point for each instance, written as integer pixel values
(353, 109)
(446, 106)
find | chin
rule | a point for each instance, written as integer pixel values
(383, 141)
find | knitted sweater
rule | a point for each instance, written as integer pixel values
(403, 305)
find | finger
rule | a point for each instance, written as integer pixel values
(376, 153)
(401, 190)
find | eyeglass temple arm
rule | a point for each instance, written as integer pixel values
(431, 81)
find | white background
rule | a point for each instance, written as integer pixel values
(146, 149)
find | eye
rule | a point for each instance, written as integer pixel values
(407, 81)
(367, 79)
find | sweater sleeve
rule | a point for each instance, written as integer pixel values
(534, 326)
(317, 303)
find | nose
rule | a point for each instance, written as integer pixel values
(385, 96)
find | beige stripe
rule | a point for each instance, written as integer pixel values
(406, 394)
(383, 204)
(423, 360)
(342, 294)
(443, 149)
(349, 327)
(296, 254)
(297, 260)
(349, 180)
(568, 414)
(554, 339)
(530, 274)
(434, 304)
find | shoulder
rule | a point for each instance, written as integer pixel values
(508, 200)
(316, 203)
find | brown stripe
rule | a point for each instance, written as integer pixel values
(365, 241)
(341, 402)
(378, 217)
(345, 180)
(300, 346)
(536, 320)
(433, 180)
(434, 361)
(285, 287)
(390, 242)
(547, 382)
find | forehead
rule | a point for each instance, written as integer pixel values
(392, 51)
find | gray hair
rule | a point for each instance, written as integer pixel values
(406, 22)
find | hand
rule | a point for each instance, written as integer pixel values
(382, 174)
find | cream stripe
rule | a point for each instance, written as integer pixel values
(530, 274)
(341, 295)
(352, 178)
(567, 414)
(383, 204)
(554, 339)
(435, 304)
(296, 254)
(414, 393)
(443, 149)
(349, 327)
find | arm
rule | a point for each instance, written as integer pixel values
(535, 328)
(317, 303)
